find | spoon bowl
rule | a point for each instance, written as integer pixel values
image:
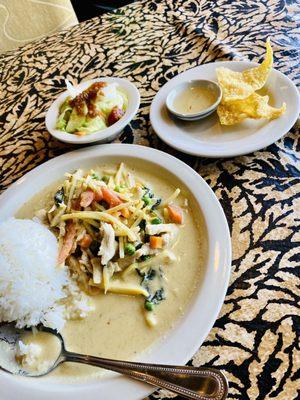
(9, 350)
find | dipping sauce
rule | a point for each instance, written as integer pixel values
(194, 99)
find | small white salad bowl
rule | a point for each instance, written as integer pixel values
(105, 135)
(212, 86)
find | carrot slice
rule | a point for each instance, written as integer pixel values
(86, 198)
(175, 213)
(98, 195)
(68, 242)
(86, 241)
(110, 197)
(156, 242)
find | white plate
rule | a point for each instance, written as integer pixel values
(105, 135)
(207, 137)
(182, 342)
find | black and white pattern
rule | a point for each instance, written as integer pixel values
(255, 338)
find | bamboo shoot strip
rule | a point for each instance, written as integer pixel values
(101, 216)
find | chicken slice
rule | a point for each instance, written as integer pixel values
(161, 228)
(108, 244)
(145, 250)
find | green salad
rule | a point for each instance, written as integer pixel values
(96, 108)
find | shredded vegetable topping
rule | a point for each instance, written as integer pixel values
(111, 228)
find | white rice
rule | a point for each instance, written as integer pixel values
(32, 287)
(29, 357)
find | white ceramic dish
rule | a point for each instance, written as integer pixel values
(190, 85)
(105, 135)
(208, 137)
(183, 341)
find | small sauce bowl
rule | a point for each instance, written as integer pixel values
(193, 100)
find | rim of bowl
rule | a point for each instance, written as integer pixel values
(201, 113)
(106, 134)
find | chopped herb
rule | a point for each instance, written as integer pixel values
(146, 238)
(59, 197)
(146, 200)
(156, 221)
(158, 296)
(145, 257)
(96, 176)
(161, 272)
(148, 192)
(117, 188)
(105, 179)
(138, 246)
(149, 275)
(142, 224)
(149, 306)
(129, 249)
(156, 204)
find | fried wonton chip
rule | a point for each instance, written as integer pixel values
(254, 106)
(240, 85)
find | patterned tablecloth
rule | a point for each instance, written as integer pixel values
(254, 339)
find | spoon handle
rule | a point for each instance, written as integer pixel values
(191, 382)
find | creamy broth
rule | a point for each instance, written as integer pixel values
(117, 328)
(49, 349)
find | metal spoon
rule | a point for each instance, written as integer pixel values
(197, 383)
